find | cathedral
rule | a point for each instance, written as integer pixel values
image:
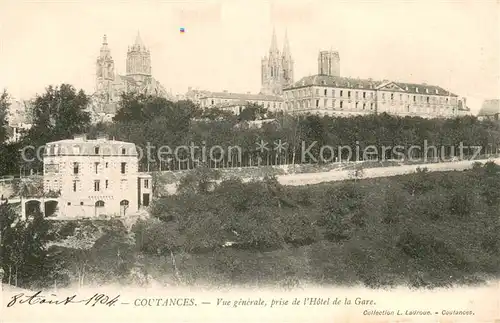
(110, 85)
(277, 68)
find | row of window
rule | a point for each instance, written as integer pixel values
(364, 106)
(365, 95)
(76, 167)
(56, 150)
(97, 184)
(101, 203)
(264, 104)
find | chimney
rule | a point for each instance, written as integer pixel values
(80, 137)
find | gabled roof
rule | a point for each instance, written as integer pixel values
(369, 84)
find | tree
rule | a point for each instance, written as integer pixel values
(4, 108)
(200, 180)
(252, 111)
(58, 114)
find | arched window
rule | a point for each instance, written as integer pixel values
(99, 204)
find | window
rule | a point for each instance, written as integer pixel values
(401, 97)
(364, 95)
(371, 106)
(333, 93)
(341, 104)
(96, 167)
(341, 92)
(106, 165)
(75, 168)
(348, 94)
(96, 150)
(356, 105)
(317, 91)
(392, 96)
(414, 98)
(427, 99)
(74, 185)
(96, 186)
(81, 203)
(383, 96)
(123, 167)
(106, 183)
(364, 106)
(124, 151)
(325, 92)
(317, 103)
(69, 203)
(146, 183)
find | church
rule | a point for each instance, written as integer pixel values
(110, 85)
(277, 68)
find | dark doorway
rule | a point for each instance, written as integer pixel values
(145, 199)
(50, 208)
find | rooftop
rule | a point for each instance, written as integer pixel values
(242, 96)
(369, 84)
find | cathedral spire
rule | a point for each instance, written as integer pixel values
(105, 52)
(274, 42)
(286, 46)
(138, 41)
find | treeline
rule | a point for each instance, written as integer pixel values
(424, 229)
(149, 121)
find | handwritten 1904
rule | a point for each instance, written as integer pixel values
(38, 298)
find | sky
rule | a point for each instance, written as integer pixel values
(453, 44)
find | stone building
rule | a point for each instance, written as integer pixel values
(490, 110)
(329, 63)
(95, 177)
(19, 119)
(110, 85)
(236, 102)
(328, 93)
(277, 68)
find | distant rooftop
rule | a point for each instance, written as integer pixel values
(369, 84)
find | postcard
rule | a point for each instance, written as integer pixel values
(250, 161)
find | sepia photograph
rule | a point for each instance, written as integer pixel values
(250, 161)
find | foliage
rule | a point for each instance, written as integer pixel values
(4, 108)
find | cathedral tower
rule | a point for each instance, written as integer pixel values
(287, 63)
(329, 63)
(138, 60)
(105, 70)
(276, 68)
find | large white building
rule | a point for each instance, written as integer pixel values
(343, 96)
(95, 177)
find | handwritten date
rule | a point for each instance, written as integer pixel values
(38, 298)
